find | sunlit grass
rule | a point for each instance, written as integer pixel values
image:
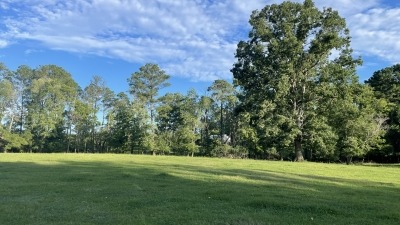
(135, 189)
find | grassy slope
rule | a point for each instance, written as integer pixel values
(131, 189)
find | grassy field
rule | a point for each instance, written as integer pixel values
(132, 189)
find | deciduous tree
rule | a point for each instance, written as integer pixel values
(293, 51)
(386, 86)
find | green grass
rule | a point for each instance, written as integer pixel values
(132, 189)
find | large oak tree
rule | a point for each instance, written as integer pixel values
(297, 57)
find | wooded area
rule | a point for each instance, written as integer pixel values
(295, 95)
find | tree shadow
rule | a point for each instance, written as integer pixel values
(382, 165)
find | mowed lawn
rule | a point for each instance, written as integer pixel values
(136, 189)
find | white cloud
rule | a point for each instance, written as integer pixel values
(167, 32)
(373, 25)
(32, 51)
(3, 43)
(376, 32)
(4, 5)
(194, 39)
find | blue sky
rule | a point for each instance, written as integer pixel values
(194, 41)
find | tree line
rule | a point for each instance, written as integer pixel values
(295, 96)
(45, 110)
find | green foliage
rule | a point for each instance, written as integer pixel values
(185, 141)
(6, 96)
(386, 83)
(22, 80)
(386, 86)
(149, 143)
(145, 84)
(170, 112)
(130, 128)
(82, 120)
(358, 125)
(223, 95)
(164, 143)
(300, 99)
(10, 142)
(227, 151)
(50, 90)
(178, 119)
(322, 141)
(93, 96)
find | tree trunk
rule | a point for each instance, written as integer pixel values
(93, 141)
(11, 123)
(222, 126)
(22, 114)
(298, 149)
(68, 144)
(69, 137)
(348, 160)
(76, 143)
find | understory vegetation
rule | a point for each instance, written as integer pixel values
(295, 95)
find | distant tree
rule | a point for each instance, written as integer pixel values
(386, 83)
(205, 113)
(145, 84)
(49, 92)
(178, 119)
(386, 86)
(188, 130)
(130, 125)
(222, 92)
(169, 112)
(164, 142)
(120, 129)
(11, 142)
(140, 129)
(105, 134)
(93, 94)
(22, 80)
(82, 122)
(186, 141)
(6, 97)
(358, 126)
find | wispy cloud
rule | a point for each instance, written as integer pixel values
(3, 43)
(188, 38)
(193, 39)
(32, 51)
(376, 32)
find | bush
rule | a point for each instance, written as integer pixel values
(227, 151)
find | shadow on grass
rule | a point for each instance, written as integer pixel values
(382, 165)
(72, 192)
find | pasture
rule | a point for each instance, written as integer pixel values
(136, 189)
